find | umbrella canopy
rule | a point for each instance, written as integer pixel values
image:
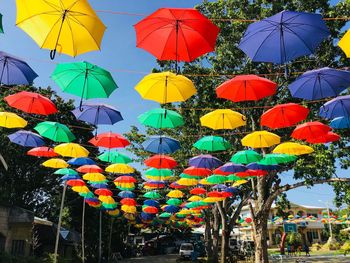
(284, 115)
(69, 177)
(293, 148)
(337, 107)
(54, 131)
(175, 194)
(161, 162)
(89, 168)
(205, 161)
(31, 102)
(344, 43)
(73, 150)
(320, 83)
(232, 178)
(129, 209)
(187, 182)
(161, 118)
(171, 209)
(165, 215)
(231, 168)
(216, 179)
(128, 201)
(70, 27)
(126, 194)
(180, 34)
(175, 185)
(174, 201)
(42, 152)
(151, 203)
(15, 71)
(120, 168)
(109, 140)
(195, 171)
(114, 157)
(150, 210)
(309, 130)
(340, 123)
(195, 198)
(125, 179)
(223, 119)
(81, 161)
(161, 145)
(246, 88)
(55, 163)
(12, 120)
(212, 144)
(262, 167)
(159, 172)
(65, 171)
(26, 139)
(94, 177)
(283, 37)
(165, 87)
(277, 158)
(326, 138)
(198, 191)
(152, 195)
(76, 182)
(261, 139)
(245, 157)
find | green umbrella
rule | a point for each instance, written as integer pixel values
(114, 157)
(212, 144)
(196, 204)
(1, 27)
(54, 131)
(87, 195)
(174, 201)
(98, 182)
(152, 195)
(190, 176)
(216, 179)
(161, 118)
(84, 80)
(277, 158)
(246, 157)
(233, 178)
(180, 216)
(165, 215)
(159, 172)
(110, 206)
(66, 171)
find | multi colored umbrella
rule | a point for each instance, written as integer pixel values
(54, 131)
(70, 27)
(109, 140)
(71, 150)
(31, 102)
(293, 148)
(283, 37)
(26, 139)
(337, 107)
(245, 157)
(114, 157)
(340, 123)
(165, 87)
(223, 119)
(15, 71)
(55, 163)
(212, 144)
(261, 139)
(97, 114)
(284, 115)
(161, 161)
(246, 88)
(205, 161)
(161, 145)
(161, 118)
(42, 152)
(309, 130)
(12, 120)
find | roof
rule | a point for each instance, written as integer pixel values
(246, 208)
(42, 221)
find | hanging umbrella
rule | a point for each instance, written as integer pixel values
(150, 210)
(186, 182)
(128, 201)
(85, 80)
(95, 177)
(151, 203)
(180, 34)
(326, 138)
(12, 120)
(194, 171)
(42, 152)
(284, 115)
(212, 144)
(26, 139)
(54, 131)
(175, 185)
(152, 184)
(198, 191)
(152, 195)
(65, 171)
(97, 114)
(183, 175)
(293, 148)
(76, 182)
(337, 107)
(309, 130)
(340, 123)
(128, 209)
(171, 209)
(161, 118)
(114, 157)
(216, 179)
(231, 168)
(161, 145)
(165, 215)
(55, 163)
(232, 178)
(175, 194)
(161, 162)
(68, 177)
(165, 87)
(205, 161)
(159, 172)
(70, 27)
(174, 201)
(277, 158)
(71, 150)
(251, 173)
(126, 194)
(109, 140)
(246, 88)
(81, 161)
(260, 139)
(120, 168)
(89, 168)
(223, 119)
(283, 37)
(1, 26)
(245, 157)
(31, 102)
(320, 83)
(15, 71)
(257, 166)
(103, 192)
(195, 198)
(125, 179)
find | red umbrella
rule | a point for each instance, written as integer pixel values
(31, 102)
(109, 140)
(125, 179)
(328, 137)
(154, 184)
(251, 173)
(284, 115)
(220, 172)
(310, 130)
(174, 185)
(76, 182)
(180, 34)
(226, 194)
(161, 162)
(103, 192)
(128, 201)
(89, 168)
(92, 202)
(150, 210)
(194, 171)
(42, 152)
(245, 88)
(198, 191)
(214, 194)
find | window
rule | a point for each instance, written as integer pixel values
(17, 247)
(314, 234)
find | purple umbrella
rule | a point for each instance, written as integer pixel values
(232, 168)
(337, 107)
(205, 161)
(232, 190)
(256, 166)
(219, 187)
(26, 138)
(161, 145)
(15, 71)
(320, 83)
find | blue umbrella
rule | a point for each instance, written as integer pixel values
(15, 71)
(126, 194)
(232, 190)
(81, 161)
(256, 166)
(320, 83)
(70, 177)
(337, 107)
(161, 145)
(146, 216)
(99, 186)
(96, 114)
(284, 37)
(171, 209)
(26, 138)
(232, 168)
(340, 123)
(151, 203)
(219, 187)
(205, 161)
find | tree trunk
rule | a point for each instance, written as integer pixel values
(225, 236)
(214, 258)
(207, 234)
(260, 236)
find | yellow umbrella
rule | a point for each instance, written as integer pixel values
(195, 198)
(293, 148)
(165, 87)
(175, 194)
(128, 209)
(120, 168)
(81, 189)
(239, 182)
(95, 177)
(70, 26)
(55, 163)
(223, 119)
(204, 182)
(260, 139)
(344, 43)
(12, 120)
(106, 199)
(114, 212)
(125, 185)
(73, 150)
(187, 182)
(212, 199)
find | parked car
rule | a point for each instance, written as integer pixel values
(186, 250)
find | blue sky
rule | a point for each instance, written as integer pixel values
(126, 63)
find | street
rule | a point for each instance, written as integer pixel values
(153, 259)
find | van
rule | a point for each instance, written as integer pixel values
(186, 250)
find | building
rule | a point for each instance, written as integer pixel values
(310, 230)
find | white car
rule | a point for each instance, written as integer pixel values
(186, 250)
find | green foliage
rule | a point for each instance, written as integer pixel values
(294, 239)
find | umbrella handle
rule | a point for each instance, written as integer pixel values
(81, 105)
(53, 54)
(244, 118)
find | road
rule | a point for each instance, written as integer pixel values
(153, 259)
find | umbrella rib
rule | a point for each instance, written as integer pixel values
(302, 40)
(71, 33)
(262, 43)
(48, 34)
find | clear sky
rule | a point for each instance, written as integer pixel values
(120, 56)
